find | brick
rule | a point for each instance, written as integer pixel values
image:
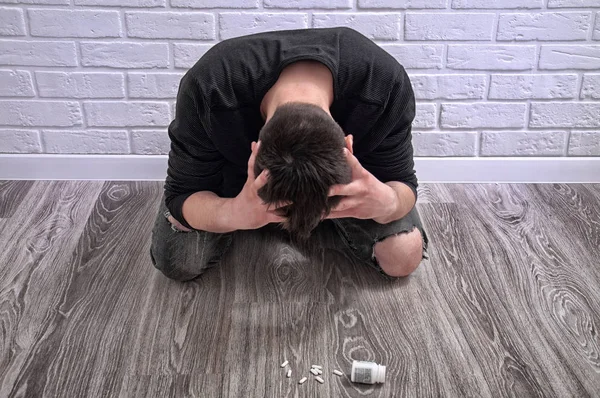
(71, 23)
(426, 116)
(435, 143)
(122, 3)
(171, 25)
(591, 86)
(565, 114)
(37, 53)
(446, 26)
(312, 4)
(416, 56)
(544, 26)
(16, 83)
(375, 26)
(490, 56)
(584, 143)
(53, 2)
(522, 143)
(533, 86)
(12, 22)
(186, 55)
(215, 3)
(234, 24)
(573, 3)
(153, 85)
(124, 114)
(596, 35)
(20, 141)
(432, 87)
(497, 3)
(554, 57)
(125, 54)
(150, 142)
(39, 113)
(80, 84)
(402, 4)
(86, 141)
(483, 114)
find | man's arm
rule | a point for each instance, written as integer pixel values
(194, 174)
(391, 160)
(384, 186)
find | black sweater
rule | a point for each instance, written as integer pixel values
(218, 115)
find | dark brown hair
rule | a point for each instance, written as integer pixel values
(302, 148)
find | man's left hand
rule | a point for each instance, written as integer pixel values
(365, 197)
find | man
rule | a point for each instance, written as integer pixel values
(294, 127)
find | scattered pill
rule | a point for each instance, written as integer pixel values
(319, 380)
(283, 365)
(289, 373)
(319, 371)
(317, 366)
(337, 372)
(302, 380)
(314, 371)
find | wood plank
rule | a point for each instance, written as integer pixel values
(433, 193)
(37, 245)
(200, 385)
(12, 194)
(507, 305)
(550, 302)
(98, 306)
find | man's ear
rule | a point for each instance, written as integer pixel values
(349, 142)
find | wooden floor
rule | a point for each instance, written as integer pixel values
(507, 305)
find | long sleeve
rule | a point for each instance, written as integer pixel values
(391, 159)
(194, 162)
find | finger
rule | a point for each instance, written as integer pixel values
(261, 180)
(252, 160)
(278, 205)
(346, 204)
(354, 188)
(274, 218)
(340, 214)
(357, 169)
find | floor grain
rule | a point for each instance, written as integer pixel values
(507, 304)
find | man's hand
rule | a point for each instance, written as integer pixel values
(365, 196)
(248, 211)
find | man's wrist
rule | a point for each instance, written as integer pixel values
(391, 204)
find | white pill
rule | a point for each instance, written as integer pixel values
(314, 371)
(337, 372)
(283, 365)
(319, 380)
(319, 371)
(317, 366)
(289, 373)
(302, 380)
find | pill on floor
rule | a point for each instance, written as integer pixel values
(317, 366)
(289, 373)
(319, 371)
(283, 365)
(314, 371)
(302, 380)
(337, 372)
(319, 380)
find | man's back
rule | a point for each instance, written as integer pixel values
(225, 87)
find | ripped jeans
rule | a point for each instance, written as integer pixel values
(183, 255)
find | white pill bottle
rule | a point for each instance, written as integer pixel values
(367, 372)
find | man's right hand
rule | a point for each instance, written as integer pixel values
(248, 211)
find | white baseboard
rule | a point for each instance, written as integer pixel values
(139, 167)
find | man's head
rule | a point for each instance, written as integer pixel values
(301, 147)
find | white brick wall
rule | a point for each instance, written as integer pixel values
(491, 77)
